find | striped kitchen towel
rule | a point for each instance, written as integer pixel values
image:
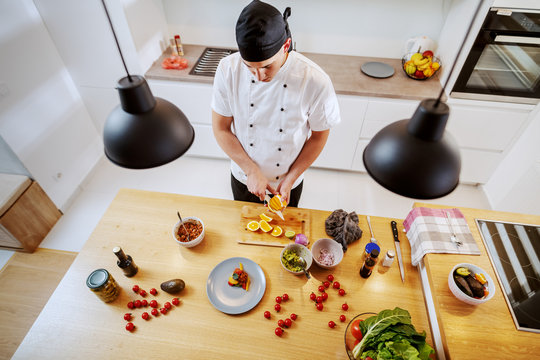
(430, 231)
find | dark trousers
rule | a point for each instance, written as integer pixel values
(241, 193)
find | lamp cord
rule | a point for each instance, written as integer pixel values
(116, 40)
(459, 53)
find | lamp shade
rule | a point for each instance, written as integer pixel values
(143, 131)
(416, 158)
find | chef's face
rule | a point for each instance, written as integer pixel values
(267, 69)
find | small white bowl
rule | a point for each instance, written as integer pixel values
(333, 248)
(302, 251)
(193, 242)
(464, 297)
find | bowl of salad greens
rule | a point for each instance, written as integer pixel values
(290, 258)
(386, 335)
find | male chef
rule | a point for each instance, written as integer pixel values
(272, 108)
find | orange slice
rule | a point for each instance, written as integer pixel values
(277, 231)
(276, 204)
(253, 225)
(265, 217)
(265, 226)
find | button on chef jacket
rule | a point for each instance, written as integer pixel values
(273, 120)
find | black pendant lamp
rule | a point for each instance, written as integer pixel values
(415, 157)
(144, 131)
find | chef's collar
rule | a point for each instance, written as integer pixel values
(261, 31)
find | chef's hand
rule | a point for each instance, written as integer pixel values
(257, 184)
(284, 188)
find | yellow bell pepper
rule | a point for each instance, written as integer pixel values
(481, 278)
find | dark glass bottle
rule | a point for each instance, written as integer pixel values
(369, 264)
(125, 262)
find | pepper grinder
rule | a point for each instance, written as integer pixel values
(125, 262)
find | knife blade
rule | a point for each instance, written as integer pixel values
(393, 225)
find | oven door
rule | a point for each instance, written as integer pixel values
(501, 67)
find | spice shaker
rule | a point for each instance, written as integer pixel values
(125, 262)
(389, 258)
(369, 264)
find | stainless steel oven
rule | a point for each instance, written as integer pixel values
(504, 62)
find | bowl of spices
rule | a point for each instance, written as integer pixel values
(190, 232)
(327, 253)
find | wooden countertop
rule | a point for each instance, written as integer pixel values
(486, 331)
(344, 71)
(76, 324)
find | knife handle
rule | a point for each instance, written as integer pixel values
(393, 224)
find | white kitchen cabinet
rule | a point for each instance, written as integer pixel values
(382, 112)
(339, 150)
(205, 143)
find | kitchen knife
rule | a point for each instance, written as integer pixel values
(398, 249)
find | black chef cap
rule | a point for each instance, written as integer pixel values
(261, 31)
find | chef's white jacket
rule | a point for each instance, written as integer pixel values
(273, 120)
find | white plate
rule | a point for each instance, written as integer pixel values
(232, 299)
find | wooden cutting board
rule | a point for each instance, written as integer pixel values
(297, 220)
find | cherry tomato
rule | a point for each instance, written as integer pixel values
(294, 316)
(278, 331)
(153, 291)
(331, 324)
(321, 288)
(326, 284)
(155, 312)
(319, 299)
(342, 318)
(145, 315)
(324, 296)
(167, 305)
(267, 314)
(144, 303)
(175, 301)
(335, 285)
(285, 297)
(330, 277)
(137, 303)
(345, 307)
(130, 326)
(319, 306)
(278, 299)
(130, 305)
(281, 323)
(312, 296)
(163, 310)
(277, 307)
(355, 329)
(142, 293)
(135, 288)
(288, 322)
(153, 303)
(127, 316)
(341, 292)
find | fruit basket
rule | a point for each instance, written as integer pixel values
(420, 66)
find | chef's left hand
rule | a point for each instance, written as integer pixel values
(284, 188)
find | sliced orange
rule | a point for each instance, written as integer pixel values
(265, 217)
(253, 225)
(277, 231)
(265, 226)
(276, 204)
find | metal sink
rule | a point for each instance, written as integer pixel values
(209, 60)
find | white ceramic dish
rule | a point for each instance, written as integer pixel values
(464, 297)
(302, 251)
(333, 248)
(193, 242)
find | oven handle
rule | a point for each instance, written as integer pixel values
(517, 39)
